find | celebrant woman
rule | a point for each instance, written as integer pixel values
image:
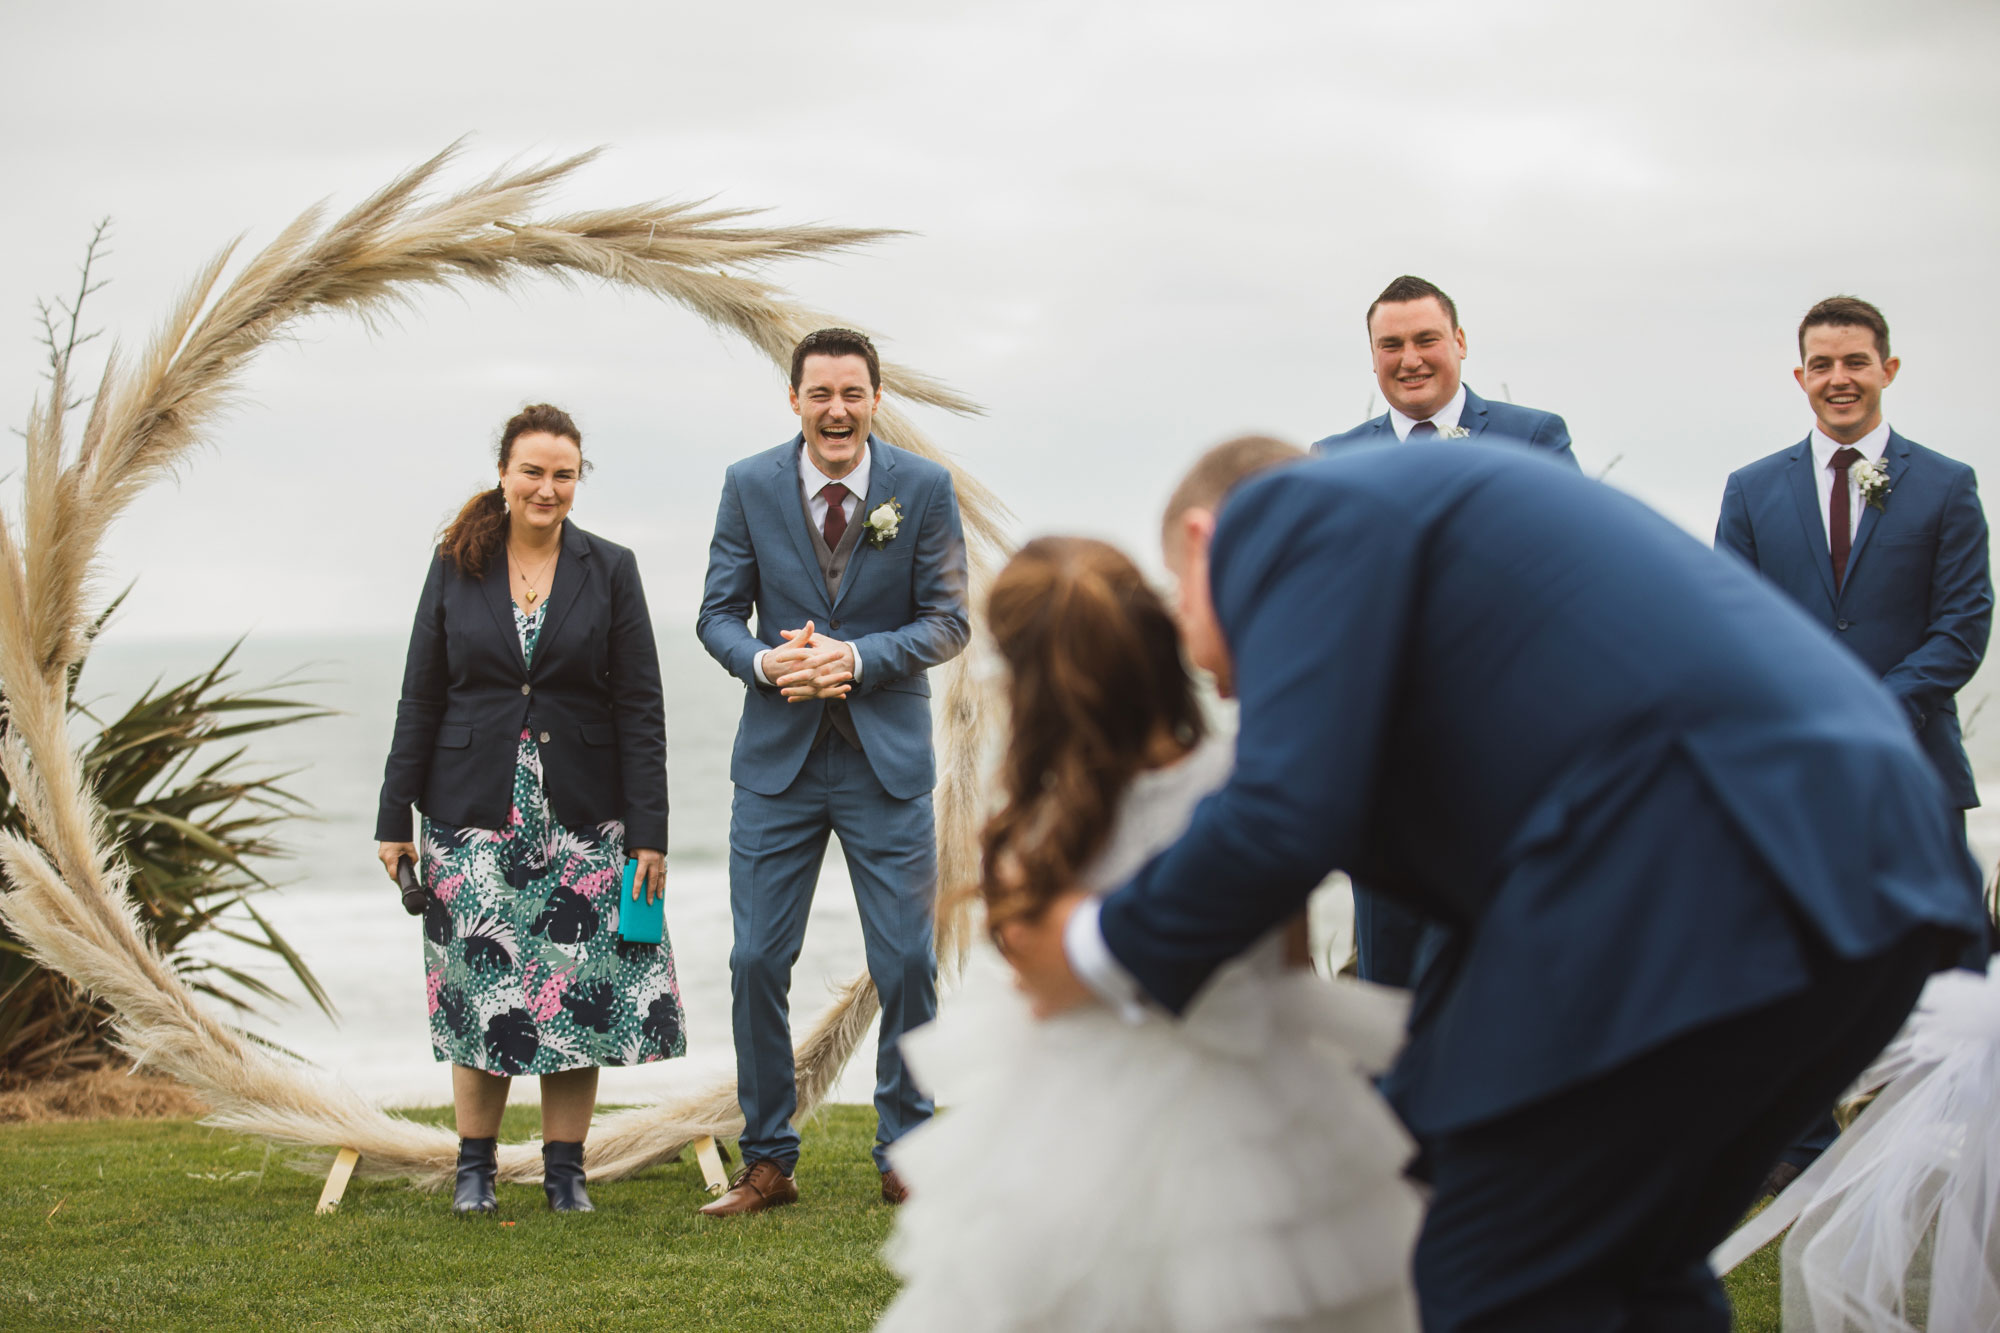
(531, 736)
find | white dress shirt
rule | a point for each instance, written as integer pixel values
(814, 483)
(1445, 418)
(1872, 446)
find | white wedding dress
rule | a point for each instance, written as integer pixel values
(1232, 1170)
(1896, 1228)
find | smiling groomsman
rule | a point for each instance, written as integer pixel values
(1881, 540)
(1418, 347)
(849, 553)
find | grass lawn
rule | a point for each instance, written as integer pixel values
(169, 1225)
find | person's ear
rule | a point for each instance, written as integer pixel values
(1889, 369)
(793, 390)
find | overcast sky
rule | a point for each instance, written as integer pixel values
(1138, 228)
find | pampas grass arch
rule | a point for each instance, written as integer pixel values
(65, 894)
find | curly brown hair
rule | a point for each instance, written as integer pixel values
(470, 540)
(1095, 680)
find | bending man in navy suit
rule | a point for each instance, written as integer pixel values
(1697, 869)
(850, 554)
(1419, 348)
(1895, 569)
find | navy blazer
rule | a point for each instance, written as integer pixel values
(1639, 787)
(592, 699)
(901, 604)
(1504, 421)
(1917, 602)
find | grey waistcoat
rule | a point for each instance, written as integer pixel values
(832, 564)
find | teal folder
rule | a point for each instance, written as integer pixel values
(639, 921)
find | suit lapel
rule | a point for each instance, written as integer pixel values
(572, 576)
(881, 486)
(1473, 418)
(497, 588)
(1897, 457)
(1803, 477)
(785, 489)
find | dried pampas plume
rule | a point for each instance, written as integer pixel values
(65, 895)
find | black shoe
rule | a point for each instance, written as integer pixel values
(472, 1196)
(562, 1178)
(1780, 1178)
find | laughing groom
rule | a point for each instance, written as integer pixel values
(850, 554)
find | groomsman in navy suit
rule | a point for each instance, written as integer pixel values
(1696, 867)
(850, 554)
(1881, 540)
(1418, 346)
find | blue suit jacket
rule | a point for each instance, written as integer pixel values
(1504, 421)
(901, 604)
(1917, 602)
(1637, 784)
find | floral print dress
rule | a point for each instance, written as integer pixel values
(524, 968)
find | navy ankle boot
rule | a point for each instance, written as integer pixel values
(562, 1178)
(472, 1196)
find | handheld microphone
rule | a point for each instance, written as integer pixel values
(415, 895)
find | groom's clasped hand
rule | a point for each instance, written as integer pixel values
(810, 665)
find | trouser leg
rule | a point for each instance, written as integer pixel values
(891, 849)
(1596, 1209)
(776, 844)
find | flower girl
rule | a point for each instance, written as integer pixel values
(1235, 1169)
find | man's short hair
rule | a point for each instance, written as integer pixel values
(1221, 470)
(836, 342)
(1411, 288)
(1848, 312)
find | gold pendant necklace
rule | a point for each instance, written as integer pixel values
(534, 596)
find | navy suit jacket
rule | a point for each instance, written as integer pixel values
(1917, 602)
(592, 698)
(1504, 421)
(902, 605)
(1639, 787)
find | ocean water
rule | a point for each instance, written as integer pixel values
(343, 915)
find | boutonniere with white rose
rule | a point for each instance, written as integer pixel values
(1453, 433)
(884, 521)
(1871, 478)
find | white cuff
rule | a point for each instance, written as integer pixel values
(856, 650)
(757, 667)
(1091, 959)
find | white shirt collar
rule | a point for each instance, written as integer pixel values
(856, 481)
(1444, 418)
(1872, 445)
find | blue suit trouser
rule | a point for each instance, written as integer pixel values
(1595, 1209)
(776, 846)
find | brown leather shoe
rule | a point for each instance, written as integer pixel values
(893, 1188)
(757, 1187)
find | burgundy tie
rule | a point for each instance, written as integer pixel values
(835, 526)
(1423, 430)
(1840, 514)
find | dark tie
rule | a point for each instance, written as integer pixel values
(1423, 430)
(835, 526)
(1840, 514)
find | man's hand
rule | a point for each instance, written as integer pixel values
(810, 665)
(1041, 965)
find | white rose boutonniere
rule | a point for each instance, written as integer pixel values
(1872, 480)
(1453, 433)
(884, 521)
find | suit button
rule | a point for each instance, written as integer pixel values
(526, 690)
(545, 738)
(833, 624)
(1840, 624)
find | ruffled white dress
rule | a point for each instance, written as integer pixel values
(1232, 1170)
(1897, 1226)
